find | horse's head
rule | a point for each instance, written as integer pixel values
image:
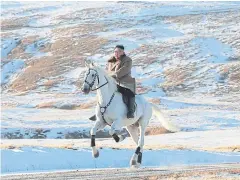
(91, 78)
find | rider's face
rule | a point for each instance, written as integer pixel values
(118, 53)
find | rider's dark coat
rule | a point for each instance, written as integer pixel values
(122, 70)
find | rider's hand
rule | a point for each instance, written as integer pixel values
(114, 76)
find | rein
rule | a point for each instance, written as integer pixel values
(103, 109)
(96, 75)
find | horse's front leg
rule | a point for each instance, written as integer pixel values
(99, 124)
(115, 130)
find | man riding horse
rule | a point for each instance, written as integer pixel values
(121, 117)
(119, 67)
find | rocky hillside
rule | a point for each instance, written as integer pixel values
(186, 56)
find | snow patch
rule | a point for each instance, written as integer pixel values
(17, 150)
(7, 45)
(75, 73)
(100, 59)
(10, 69)
(47, 159)
(34, 48)
(213, 50)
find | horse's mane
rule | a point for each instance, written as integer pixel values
(111, 80)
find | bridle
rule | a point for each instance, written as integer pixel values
(94, 79)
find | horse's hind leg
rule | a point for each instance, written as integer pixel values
(139, 149)
(137, 157)
(133, 131)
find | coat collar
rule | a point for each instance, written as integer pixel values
(122, 57)
(115, 64)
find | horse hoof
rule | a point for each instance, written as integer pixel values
(135, 166)
(133, 163)
(96, 155)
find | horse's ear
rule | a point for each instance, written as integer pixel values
(87, 63)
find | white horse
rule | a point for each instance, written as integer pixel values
(112, 111)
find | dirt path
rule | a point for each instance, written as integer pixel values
(218, 172)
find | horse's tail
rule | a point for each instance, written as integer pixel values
(164, 120)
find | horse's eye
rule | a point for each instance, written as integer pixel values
(92, 75)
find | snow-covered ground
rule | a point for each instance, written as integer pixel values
(186, 60)
(35, 159)
(163, 150)
(10, 69)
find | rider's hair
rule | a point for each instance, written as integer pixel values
(119, 46)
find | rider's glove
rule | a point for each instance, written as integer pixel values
(114, 76)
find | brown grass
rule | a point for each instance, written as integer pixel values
(155, 100)
(231, 148)
(177, 76)
(19, 51)
(87, 105)
(142, 90)
(221, 174)
(65, 55)
(78, 30)
(14, 23)
(156, 131)
(235, 76)
(50, 83)
(46, 105)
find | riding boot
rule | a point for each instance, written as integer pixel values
(131, 107)
(93, 118)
